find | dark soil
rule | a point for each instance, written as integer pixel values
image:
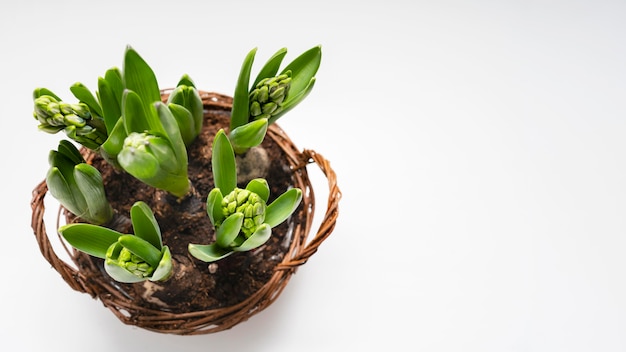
(196, 285)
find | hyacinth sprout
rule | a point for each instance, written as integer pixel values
(271, 95)
(77, 185)
(128, 124)
(242, 218)
(127, 257)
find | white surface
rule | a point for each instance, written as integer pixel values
(479, 146)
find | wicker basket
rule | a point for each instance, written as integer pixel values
(214, 320)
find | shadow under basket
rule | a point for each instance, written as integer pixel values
(92, 281)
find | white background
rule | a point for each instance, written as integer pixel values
(479, 146)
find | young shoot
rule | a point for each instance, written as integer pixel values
(241, 217)
(77, 185)
(270, 96)
(128, 124)
(127, 258)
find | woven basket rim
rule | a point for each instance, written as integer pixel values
(218, 319)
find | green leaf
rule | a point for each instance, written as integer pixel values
(61, 190)
(44, 91)
(208, 252)
(281, 208)
(185, 80)
(293, 100)
(114, 143)
(164, 270)
(115, 80)
(141, 248)
(139, 77)
(240, 110)
(145, 224)
(223, 162)
(110, 92)
(62, 183)
(214, 206)
(249, 135)
(69, 150)
(135, 115)
(91, 239)
(303, 68)
(84, 95)
(111, 109)
(189, 97)
(258, 238)
(185, 122)
(65, 162)
(120, 274)
(271, 66)
(260, 187)
(89, 181)
(168, 125)
(228, 231)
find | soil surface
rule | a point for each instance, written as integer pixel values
(196, 285)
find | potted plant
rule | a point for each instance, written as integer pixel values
(183, 211)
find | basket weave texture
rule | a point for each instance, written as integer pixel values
(92, 282)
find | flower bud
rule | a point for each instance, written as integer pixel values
(268, 96)
(247, 203)
(74, 119)
(152, 159)
(132, 263)
(158, 147)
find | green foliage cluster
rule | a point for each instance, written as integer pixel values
(128, 124)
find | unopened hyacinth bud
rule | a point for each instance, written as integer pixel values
(267, 97)
(133, 264)
(247, 203)
(155, 148)
(53, 113)
(74, 119)
(152, 159)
